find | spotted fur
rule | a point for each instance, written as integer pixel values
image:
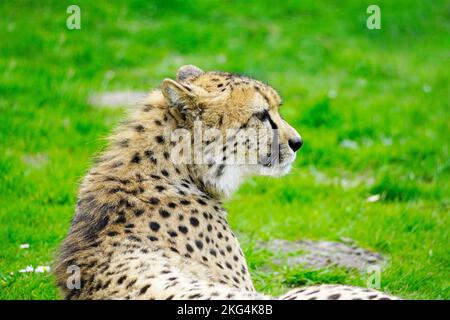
(146, 228)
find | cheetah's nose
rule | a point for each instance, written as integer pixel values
(295, 143)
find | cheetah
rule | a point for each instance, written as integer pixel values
(150, 224)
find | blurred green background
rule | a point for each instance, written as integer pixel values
(371, 105)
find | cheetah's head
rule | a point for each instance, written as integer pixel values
(242, 131)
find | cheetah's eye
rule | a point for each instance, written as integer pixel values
(262, 115)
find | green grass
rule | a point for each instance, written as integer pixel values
(385, 91)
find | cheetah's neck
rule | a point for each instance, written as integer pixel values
(141, 148)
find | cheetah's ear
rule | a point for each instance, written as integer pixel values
(188, 71)
(181, 99)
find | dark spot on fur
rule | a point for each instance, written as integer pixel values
(172, 205)
(154, 226)
(136, 158)
(164, 173)
(139, 128)
(189, 248)
(172, 233)
(220, 170)
(183, 229)
(121, 218)
(199, 244)
(144, 289)
(164, 213)
(202, 202)
(121, 279)
(185, 202)
(160, 139)
(194, 221)
(134, 238)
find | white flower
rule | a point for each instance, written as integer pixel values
(42, 269)
(349, 144)
(27, 269)
(39, 269)
(373, 198)
(24, 246)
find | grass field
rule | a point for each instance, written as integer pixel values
(372, 107)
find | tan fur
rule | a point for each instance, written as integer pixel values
(146, 228)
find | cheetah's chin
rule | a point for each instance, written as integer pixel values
(276, 171)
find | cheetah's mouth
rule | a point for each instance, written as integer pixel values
(270, 160)
(276, 165)
(274, 156)
(277, 159)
